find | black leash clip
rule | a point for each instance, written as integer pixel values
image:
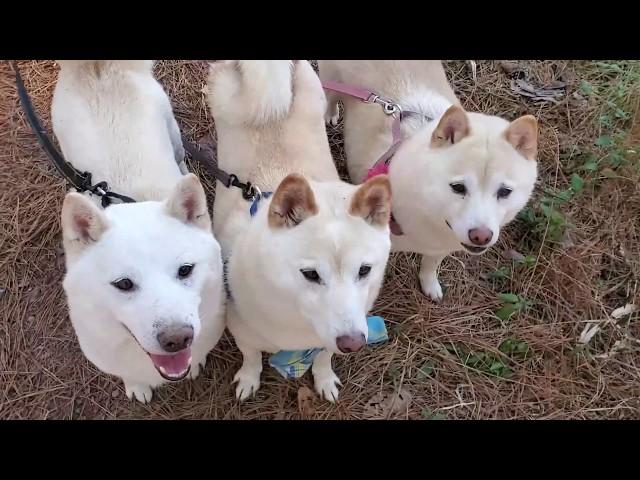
(248, 190)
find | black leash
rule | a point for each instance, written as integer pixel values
(81, 181)
(249, 191)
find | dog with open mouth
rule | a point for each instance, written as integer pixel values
(144, 280)
(306, 258)
(458, 177)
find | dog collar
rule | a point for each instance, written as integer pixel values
(295, 363)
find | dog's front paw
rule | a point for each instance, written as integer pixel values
(195, 370)
(431, 287)
(248, 383)
(326, 384)
(142, 393)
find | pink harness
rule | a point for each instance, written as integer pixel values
(381, 167)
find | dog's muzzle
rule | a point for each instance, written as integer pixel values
(474, 250)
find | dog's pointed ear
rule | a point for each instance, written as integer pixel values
(188, 203)
(522, 133)
(83, 222)
(292, 203)
(453, 127)
(372, 201)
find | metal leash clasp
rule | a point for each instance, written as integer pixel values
(388, 107)
(257, 192)
(100, 189)
(251, 192)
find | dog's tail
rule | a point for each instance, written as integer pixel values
(253, 92)
(99, 66)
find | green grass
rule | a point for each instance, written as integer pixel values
(615, 88)
(511, 304)
(495, 364)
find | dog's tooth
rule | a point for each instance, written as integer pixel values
(163, 371)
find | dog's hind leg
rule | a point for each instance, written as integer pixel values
(141, 392)
(325, 380)
(176, 142)
(429, 276)
(332, 115)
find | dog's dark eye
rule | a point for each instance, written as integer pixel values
(123, 284)
(311, 275)
(185, 270)
(458, 188)
(364, 271)
(504, 192)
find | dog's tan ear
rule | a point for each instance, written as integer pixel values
(82, 220)
(372, 201)
(188, 203)
(522, 133)
(292, 203)
(453, 127)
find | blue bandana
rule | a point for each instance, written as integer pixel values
(295, 363)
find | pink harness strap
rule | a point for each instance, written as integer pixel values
(390, 108)
(381, 167)
(351, 90)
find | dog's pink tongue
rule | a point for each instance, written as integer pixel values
(173, 364)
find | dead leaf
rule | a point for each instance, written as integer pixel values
(386, 405)
(618, 346)
(306, 399)
(579, 101)
(551, 93)
(588, 333)
(474, 69)
(556, 84)
(515, 255)
(567, 242)
(628, 309)
(514, 69)
(569, 77)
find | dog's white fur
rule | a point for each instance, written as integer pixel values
(269, 120)
(483, 152)
(113, 119)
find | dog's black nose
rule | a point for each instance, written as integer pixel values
(174, 339)
(480, 236)
(350, 343)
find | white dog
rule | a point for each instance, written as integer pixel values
(306, 268)
(144, 280)
(458, 177)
